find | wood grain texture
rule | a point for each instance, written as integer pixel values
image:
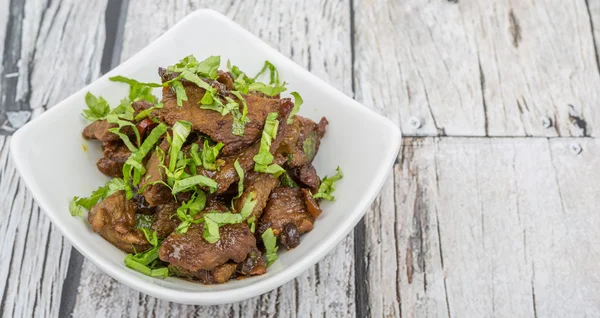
(474, 68)
(321, 43)
(487, 227)
(33, 254)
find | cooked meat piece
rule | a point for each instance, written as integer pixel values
(306, 175)
(253, 265)
(166, 220)
(191, 252)
(99, 130)
(140, 105)
(306, 135)
(311, 204)
(114, 219)
(115, 155)
(141, 206)
(156, 194)
(225, 79)
(288, 206)
(227, 175)
(289, 237)
(261, 184)
(221, 274)
(212, 123)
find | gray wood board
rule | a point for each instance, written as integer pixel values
(57, 48)
(477, 68)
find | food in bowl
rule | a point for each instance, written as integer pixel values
(209, 181)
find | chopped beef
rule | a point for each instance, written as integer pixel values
(166, 220)
(261, 184)
(115, 155)
(226, 79)
(219, 275)
(287, 206)
(156, 193)
(303, 140)
(253, 265)
(307, 176)
(227, 174)
(191, 252)
(99, 130)
(212, 123)
(289, 237)
(114, 219)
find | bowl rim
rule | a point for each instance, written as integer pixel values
(244, 292)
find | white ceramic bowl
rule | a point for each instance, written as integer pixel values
(48, 154)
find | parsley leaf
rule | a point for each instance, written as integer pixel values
(270, 242)
(248, 206)
(209, 155)
(188, 210)
(143, 221)
(273, 72)
(151, 236)
(240, 173)
(214, 220)
(297, 103)
(239, 122)
(138, 90)
(97, 107)
(134, 162)
(78, 205)
(190, 182)
(179, 92)
(181, 130)
(328, 186)
(264, 158)
(266, 89)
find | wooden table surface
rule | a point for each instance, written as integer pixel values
(491, 209)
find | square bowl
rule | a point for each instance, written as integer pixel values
(49, 156)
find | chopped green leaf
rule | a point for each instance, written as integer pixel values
(114, 119)
(207, 68)
(209, 155)
(214, 220)
(239, 121)
(134, 162)
(211, 231)
(181, 130)
(240, 173)
(328, 186)
(287, 181)
(264, 158)
(270, 242)
(179, 92)
(252, 223)
(75, 209)
(143, 221)
(266, 89)
(189, 209)
(151, 236)
(138, 90)
(297, 103)
(248, 206)
(189, 183)
(274, 74)
(146, 112)
(309, 146)
(97, 107)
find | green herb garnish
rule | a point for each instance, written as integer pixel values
(297, 103)
(97, 107)
(240, 173)
(328, 186)
(191, 182)
(264, 158)
(270, 242)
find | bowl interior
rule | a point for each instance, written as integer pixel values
(50, 156)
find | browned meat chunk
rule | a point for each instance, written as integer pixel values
(253, 265)
(307, 176)
(219, 275)
(157, 193)
(227, 175)
(261, 184)
(212, 123)
(226, 79)
(192, 253)
(114, 219)
(302, 141)
(166, 220)
(99, 130)
(287, 213)
(115, 155)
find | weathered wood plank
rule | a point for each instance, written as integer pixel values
(321, 43)
(34, 256)
(473, 68)
(487, 227)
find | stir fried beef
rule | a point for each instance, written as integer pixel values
(184, 217)
(212, 123)
(166, 220)
(114, 219)
(191, 252)
(115, 155)
(287, 213)
(99, 130)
